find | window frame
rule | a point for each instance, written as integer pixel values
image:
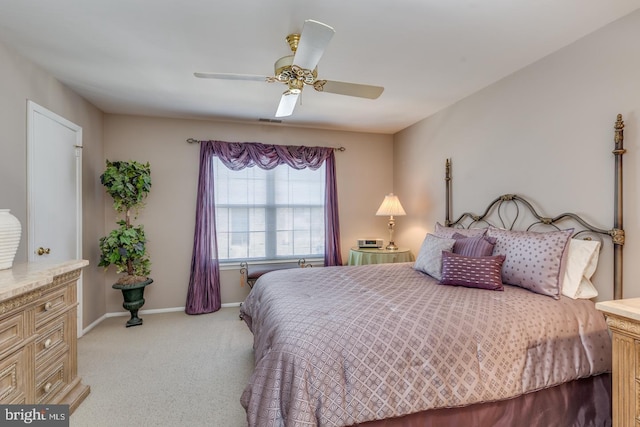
(271, 218)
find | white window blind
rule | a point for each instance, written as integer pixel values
(269, 214)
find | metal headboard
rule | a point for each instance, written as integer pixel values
(499, 207)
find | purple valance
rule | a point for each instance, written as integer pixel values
(239, 155)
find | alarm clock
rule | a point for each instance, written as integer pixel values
(370, 243)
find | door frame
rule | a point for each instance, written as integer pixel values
(32, 110)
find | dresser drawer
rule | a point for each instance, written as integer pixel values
(11, 332)
(52, 339)
(12, 377)
(49, 382)
(52, 305)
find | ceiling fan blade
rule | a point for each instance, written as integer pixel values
(351, 89)
(231, 76)
(287, 104)
(314, 38)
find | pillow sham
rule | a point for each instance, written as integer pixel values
(582, 260)
(533, 260)
(429, 259)
(448, 232)
(483, 272)
(473, 246)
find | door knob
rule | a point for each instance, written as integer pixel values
(42, 251)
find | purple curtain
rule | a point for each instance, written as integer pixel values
(204, 284)
(203, 295)
(332, 253)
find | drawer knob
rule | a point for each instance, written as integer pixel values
(48, 306)
(47, 387)
(47, 343)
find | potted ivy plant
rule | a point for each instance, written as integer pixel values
(128, 183)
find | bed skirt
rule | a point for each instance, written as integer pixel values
(584, 403)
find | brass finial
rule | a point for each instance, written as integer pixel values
(618, 137)
(447, 170)
(619, 123)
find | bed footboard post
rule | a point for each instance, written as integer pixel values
(618, 230)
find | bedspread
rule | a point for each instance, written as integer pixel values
(336, 346)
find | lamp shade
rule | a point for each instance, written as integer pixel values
(390, 206)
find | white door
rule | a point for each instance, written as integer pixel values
(54, 187)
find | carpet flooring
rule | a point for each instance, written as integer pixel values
(174, 370)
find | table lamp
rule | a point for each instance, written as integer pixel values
(391, 206)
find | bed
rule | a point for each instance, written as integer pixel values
(456, 338)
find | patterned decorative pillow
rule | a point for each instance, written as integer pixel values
(483, 272)
(448, 232)
(473, 246)
(534, 261)
(429, 259)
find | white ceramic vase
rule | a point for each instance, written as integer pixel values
(10, 230)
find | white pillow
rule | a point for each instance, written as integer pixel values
(429, 259)
(582, 261)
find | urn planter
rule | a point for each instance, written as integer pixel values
(133, 296)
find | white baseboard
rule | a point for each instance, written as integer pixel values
(142, 312)
(231, 304)
(94, 324)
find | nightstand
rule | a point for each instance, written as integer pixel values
(362, 256)
(623, 319)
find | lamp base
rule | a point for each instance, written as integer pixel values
(391, 247)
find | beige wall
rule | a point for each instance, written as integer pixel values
(21, 80)
(363, 170)
(545, 132)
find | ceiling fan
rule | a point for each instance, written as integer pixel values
(300, 69)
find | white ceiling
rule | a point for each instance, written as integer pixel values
(138, 56)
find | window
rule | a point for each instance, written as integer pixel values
(269, 214)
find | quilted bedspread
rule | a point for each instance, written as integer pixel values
(337, 346)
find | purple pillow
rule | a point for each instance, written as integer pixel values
(534, 260)
(473, 246)
(472, 272)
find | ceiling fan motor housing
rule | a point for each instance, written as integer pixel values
(294, 76)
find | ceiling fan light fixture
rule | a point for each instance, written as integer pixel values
(295, 85)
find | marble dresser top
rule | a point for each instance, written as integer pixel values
(629, 307)
(29, 276)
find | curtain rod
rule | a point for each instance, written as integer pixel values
(195, 141)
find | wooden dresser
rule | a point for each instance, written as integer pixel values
(38, 335)
(623, 318)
